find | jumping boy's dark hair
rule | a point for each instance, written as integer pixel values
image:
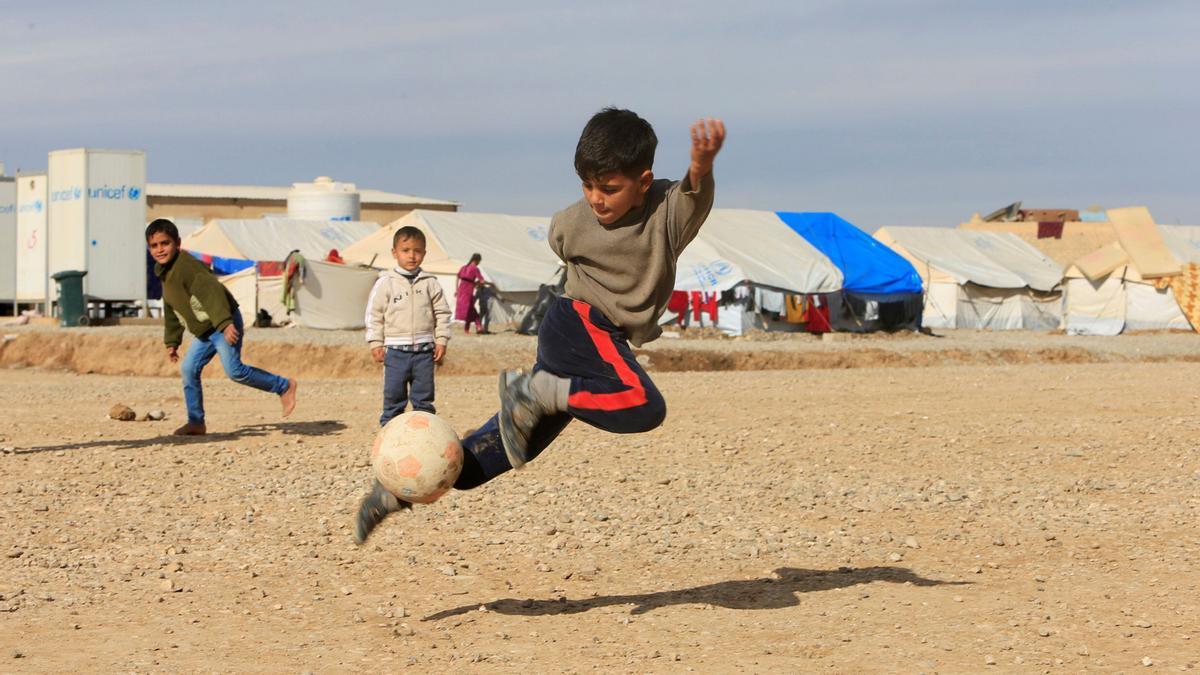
(476, 258)
(615, 140)
(408, 232)
(162, 225)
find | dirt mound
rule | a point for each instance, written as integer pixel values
(682, 360)
(145, 356)
(82, 352)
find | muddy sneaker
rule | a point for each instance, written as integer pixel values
(373, 509)
(520, 412)
(191, 429)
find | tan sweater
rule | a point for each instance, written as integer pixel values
(401, 312)
(627, 269)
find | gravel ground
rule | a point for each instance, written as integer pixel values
(1017, 517)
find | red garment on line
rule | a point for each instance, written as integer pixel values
(702, 302)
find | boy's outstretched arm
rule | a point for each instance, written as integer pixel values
(707, 137)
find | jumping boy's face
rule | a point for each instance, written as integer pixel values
(162, 247)
(612, 195)
(409, 253)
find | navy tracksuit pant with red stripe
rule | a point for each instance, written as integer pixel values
(609, 389)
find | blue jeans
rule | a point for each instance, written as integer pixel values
(202, 350)
(406, 374)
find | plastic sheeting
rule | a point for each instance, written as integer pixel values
(332, 296)
(1183, 242)
(1149, 308)
(966, 256)
(1095, 307)
(516, 256)
(244, 287)
(273, 238)
(1007, 309)
(866, 264)
(1010, 252)
(740, 245)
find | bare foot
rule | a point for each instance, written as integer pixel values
(289, 397)
(190, 429)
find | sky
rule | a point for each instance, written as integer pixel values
(915, 112)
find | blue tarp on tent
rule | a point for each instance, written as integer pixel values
(867, 265)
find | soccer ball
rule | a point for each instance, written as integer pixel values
(417, 457)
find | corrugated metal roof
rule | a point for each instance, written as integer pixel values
(272, 193)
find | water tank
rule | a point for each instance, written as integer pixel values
(323, 199)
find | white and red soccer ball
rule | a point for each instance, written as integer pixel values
(417, 457)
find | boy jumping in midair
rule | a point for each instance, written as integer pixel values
(620, 244)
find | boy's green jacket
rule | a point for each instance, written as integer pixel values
(192, 295)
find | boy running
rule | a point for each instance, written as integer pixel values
(193, 297)
(620, 244)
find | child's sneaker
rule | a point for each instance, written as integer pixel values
(373, 509)
(520, 412)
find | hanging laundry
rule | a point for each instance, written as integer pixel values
(704, 302)
(1050, 230)
(677, 304)
(797, 309)
(818, 315)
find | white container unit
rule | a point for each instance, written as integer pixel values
(32, 279)
(97, 220)
(323, 199)
(8, 239)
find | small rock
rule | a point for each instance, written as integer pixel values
(989, 660)
(1142, 623)
(157, 415)
(122, 413)
(168, 586)
(448, 570)
(17, 654)
(1044, 632)
(911, 542)
(895, 557)
(16, 553)
(1147, 661)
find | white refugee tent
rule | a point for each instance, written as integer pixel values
(1106, 292)
(741, 245)
(981, 280)
(756, 250)
(516, 256)
(243, 286)
(332, 296)
(271, 239)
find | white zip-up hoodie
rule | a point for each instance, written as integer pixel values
(403, 312)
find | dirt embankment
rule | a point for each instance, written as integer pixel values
(143, 355)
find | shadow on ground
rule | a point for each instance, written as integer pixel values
(320, 428)
(770, 593)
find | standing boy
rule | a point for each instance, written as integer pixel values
(408, 326)
(193, 297)
(620, 244)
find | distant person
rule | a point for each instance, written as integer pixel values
(193, 297)
(408, 327)
(484, 293)
(469, 277)
(620, 244)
